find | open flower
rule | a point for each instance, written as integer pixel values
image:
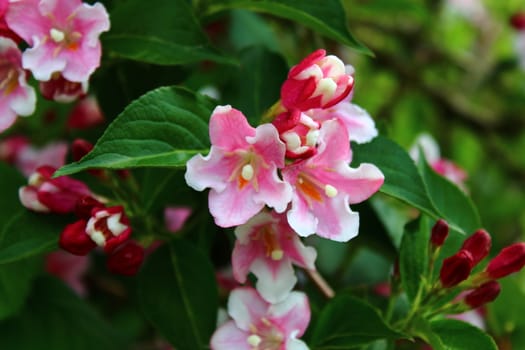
(241, 169)
(63, 36)
(318, 81)
(258, 325)
(267, 246)
(18, 98)
(324, 186)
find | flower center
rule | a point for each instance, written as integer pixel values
(313, 190)
(265, 337)
(66, 39)
(8, 78)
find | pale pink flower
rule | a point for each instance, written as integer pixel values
(63, 36)
(18, 98)
(324, 186)
(432, 154)
(175, 217)
(31, 158)
(359, 125)
(5, 31)
(318, 81)
(241, 169)
(47, 194)
(267, 246)
(69, 268)
(259, 325)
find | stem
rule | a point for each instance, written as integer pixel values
(321, 283)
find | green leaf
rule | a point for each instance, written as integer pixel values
(178, 295)
(449, 200)
(413, 256)
(458, 335)
(163, 128)
(326, 17)
(55, 318)
(162, 32)
(257, 84)
(348, 322)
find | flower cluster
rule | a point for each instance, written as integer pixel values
(63, 50)
(282, 180)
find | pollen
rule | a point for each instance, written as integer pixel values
(330, 191)
(254, 340)
(57, 35)
(247, 172)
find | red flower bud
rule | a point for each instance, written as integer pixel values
(108, 227)
(86, 114)
(75, 240)
(518, 21)
(126, 260)
(485, 293)
(511, 259)
(456, 269)
(478, 244)
(79, 148)
(439, 233)
(85, 205)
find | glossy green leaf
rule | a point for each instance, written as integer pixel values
(55, 318)
(348, 322)
(256, 86)
(413, 256)
(450, 201)
(162, 32)
(178, 295)
(326, 17)
(458, 335)
(163, 128)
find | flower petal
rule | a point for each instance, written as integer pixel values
(229, 128)
(228, 337)
(292, 314)
(246, 307)
(275, 279)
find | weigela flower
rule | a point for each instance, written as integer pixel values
(69, 268)
(86, 114)
(483, 294)
(299, 132)
(30, 158)
(267, 246)
(319, 81)
(108, 227)
(63, 36)
(75, 240)
(18, 98)
(359, 124)
(126, 259)
(62, 90)
(47, 194)
(456, 269)
(259, 325)
(478, 245)
(511, 259)
(439, 233)
(324, 186)
(175, 217)
(241, 169)
(5, 31)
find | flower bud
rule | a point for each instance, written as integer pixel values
(456, 269)
(85, 205)
(478, 244)
(511, 259)
(518, 21)
(439, 233)
(108, 227)
(79, 148)
(485, 293)
(319, 81)
(126, 260)
(75, 240)
(62, 90)
(86, 114)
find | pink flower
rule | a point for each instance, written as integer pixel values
(31, 158)
(324, 186)
(318, 81)
(299, 132)
(18, 98)
(69, 268)
(108, 227)
(241, 169)
(46, 194)
(10, 148)
(62, 90)
(86, 114)
(267, 246)
(5, 31)
(175, 217)
(259, 325)
(63, 36)
(359, 125)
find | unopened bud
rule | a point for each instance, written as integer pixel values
(79, 148)
(511, 259)
(518, 21)
(75, 240)
(439, 233)
(485, 293)
(456, 269)
(85, 205)
(478, 244)
(126, 260)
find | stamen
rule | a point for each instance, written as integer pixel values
(325, 87)
(254, 340)
(247, 172)
(57, 35)
(35, 179)
(330, 191)
(293, 141)
(277, 255)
